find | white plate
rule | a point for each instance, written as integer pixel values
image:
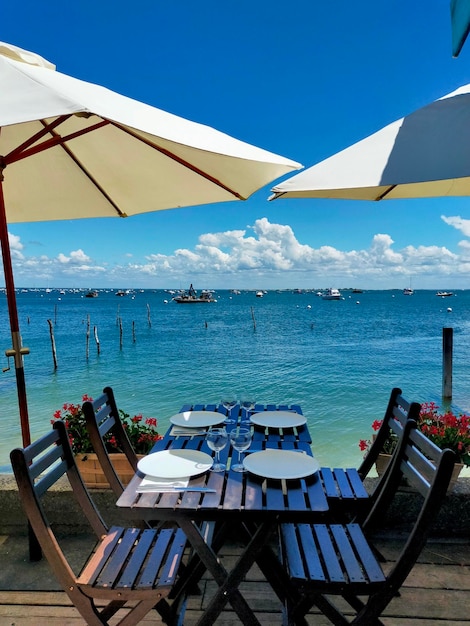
(278, 419)
(196, 419)
(281, 464)
(175, 463)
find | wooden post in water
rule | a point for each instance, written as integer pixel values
(253, 318)
(120, 333)
(133, 331)
(54, 354)
(148, 316)
(447, 347)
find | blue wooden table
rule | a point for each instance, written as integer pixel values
(249, 505)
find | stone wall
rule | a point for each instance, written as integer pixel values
(453, 520)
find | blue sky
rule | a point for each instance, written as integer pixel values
(303, 79)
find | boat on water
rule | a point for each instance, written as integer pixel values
(331, 294)
(91, 294)
(444, 294)
(407, 291)
(191, 296)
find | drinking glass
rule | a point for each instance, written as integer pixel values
(229, 401)
(217, 439)
(240, 438)
(247, 406)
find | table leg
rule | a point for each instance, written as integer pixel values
(228, 582)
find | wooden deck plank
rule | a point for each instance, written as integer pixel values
(435, 593)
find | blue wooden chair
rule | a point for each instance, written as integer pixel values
(127, 565)
(327, 561)
(347, 495)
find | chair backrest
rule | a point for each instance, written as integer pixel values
(398, 411)
(428, 471)
(102, 418)
(37, 468)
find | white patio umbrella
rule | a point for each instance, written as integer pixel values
(425, 154)
(71, 149)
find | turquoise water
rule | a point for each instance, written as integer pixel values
(338, 359)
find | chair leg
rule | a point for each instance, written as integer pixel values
(136, 614)
(111, 609)
(324, 605)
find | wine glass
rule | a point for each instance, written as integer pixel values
(217, 439)
(240, 438)
(229, 401)
(247, 406)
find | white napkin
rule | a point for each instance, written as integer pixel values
(187, 431)
(163, 485)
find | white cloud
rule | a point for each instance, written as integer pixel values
(266, 253)
(15, 246)
(77, 257)
(459, 223)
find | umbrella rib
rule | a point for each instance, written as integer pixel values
(61, 141)
(53, 141)
(179, 160)
(20, 151)
(385, 193)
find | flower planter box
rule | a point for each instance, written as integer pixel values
(382, 462)
(93, 475)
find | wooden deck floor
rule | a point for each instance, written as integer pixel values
(437, 592)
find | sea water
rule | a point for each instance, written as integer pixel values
(337, 359)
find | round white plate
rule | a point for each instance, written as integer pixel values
(278, 419)
(197, 419)
(175, 463)
(281, 464)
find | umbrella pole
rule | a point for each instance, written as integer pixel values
(17, 351)
(35, 552)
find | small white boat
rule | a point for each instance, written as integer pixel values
(259, 294)
(407, 291)
(444, 294)
(331, 294)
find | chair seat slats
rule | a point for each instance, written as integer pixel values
(151, 569)
(93, 568)
(293, 557)
(117, 559)
(343, 483)
(313, 563)
(329, 482)
(349, 559)
(368, 557)
(136, 560)
(360, 491)
(333, 569)
(173, 559)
